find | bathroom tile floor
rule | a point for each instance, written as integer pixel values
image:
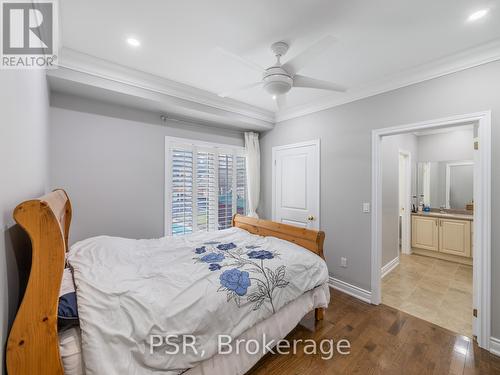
(432, 289)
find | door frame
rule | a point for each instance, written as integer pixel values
(406, 219)
(275, 149)
(448, 177)
(482, 213)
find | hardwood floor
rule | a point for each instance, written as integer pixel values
(383, 341)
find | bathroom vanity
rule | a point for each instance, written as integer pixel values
(443, 235)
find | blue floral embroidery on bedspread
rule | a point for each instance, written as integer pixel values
(226, 246)
(236, 281)
(212, 258)
(214, 267)
(243, 272)
(261, 254)
(200, 250)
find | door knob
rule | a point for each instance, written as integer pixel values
(310, 218)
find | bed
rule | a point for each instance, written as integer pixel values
(229, 270)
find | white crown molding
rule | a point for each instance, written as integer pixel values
(79, 62)
(466, 59)
(352, 290)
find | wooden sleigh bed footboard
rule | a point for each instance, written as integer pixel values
(310, 239)
(33, 343)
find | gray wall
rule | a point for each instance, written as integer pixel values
(345, 134)
(436, 148)
(110, 160)
(390, 189)
(456, 145)
(24, 155)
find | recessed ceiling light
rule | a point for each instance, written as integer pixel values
(274, 97)
(133, 42)
(478, 15)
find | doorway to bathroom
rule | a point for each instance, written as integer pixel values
(439, 237)
(431, 272)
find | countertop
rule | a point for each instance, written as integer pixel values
(445, 215)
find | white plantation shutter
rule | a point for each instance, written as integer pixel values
(205, 186)
(206, 196)
(182, 191)
(225, 190)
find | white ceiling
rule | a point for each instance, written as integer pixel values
(376, 39)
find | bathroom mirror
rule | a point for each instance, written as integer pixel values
(446, 184)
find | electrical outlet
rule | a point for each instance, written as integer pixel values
(343, 262)
(366, 207)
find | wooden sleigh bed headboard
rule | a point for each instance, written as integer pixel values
(310, 239)
(33, 345)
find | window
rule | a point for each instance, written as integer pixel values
(205, 185)
(182, 191)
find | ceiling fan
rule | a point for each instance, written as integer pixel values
(279, 78)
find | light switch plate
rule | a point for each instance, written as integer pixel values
(343, 262)
(366, 207)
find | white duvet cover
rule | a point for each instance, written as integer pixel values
(203, 285)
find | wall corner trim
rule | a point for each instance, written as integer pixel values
(389, 267)
(352, 290)
(495, 346)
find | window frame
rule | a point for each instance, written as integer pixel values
(194, 146)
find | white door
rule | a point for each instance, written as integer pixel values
(296, 184)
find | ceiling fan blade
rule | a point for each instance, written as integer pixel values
(313, 83)
(298, 62)
(238, 89)
(281, 101)
(240, 59)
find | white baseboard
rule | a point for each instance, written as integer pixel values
(495, 346)
(352, 290)
(390, 266)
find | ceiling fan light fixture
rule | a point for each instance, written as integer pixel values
(277, 81)
(276, 88)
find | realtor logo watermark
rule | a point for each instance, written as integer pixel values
(29, 34)
(188, 344)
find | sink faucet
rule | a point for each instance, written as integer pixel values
(442, 209)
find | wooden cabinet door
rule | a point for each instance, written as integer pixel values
(454, 237)
(425, 233)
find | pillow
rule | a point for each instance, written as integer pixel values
(67, 311)
(70, 348)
